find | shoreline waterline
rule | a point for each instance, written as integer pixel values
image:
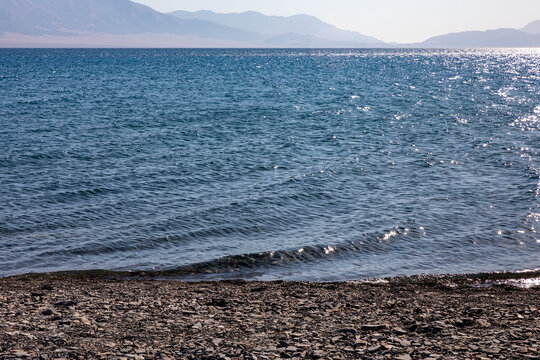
(520, 279)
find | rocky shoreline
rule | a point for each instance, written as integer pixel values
(66, 317)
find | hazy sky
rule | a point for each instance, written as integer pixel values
(389, 20)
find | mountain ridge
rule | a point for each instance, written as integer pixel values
(498, 38)
(532, 28)
(301, 24)
(72, 17)
(60, 21)
(124, 23)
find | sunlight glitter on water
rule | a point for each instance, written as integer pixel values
(236, 159)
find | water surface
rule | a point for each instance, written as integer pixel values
(270, 164)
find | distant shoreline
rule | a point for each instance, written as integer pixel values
(127, 47)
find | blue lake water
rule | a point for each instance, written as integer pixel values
(270, 164)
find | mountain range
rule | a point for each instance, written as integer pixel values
(123, 23)
(529, 36)
(300, 25)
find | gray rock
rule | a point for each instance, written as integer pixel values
(484, 323)
(404, 357)
(65, 303)
(347, 331)
(373, 327)
(22, 354)
(399, 331)
(493, 351)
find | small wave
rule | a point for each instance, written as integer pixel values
(242, 264)
(262, 260)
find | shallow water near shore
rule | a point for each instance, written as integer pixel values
(317, 165)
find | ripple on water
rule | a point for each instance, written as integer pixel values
(270, 164)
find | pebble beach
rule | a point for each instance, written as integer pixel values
(67, 317)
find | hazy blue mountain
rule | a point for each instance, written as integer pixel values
(292, 40)
(101, 21)
(532, 28)
(479, 39)
(305, 27)
(68, 17)
(119, 23)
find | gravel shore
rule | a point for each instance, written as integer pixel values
(94, 318)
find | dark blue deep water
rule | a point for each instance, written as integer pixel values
(270, 164)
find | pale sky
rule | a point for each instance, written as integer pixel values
(389, 20)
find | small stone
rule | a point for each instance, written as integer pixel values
(283, 343)
(491, 350)
(360, 341)
(484, 323)
(404, 357)
(347, 331)
(336, 339)
(84, 320)
(373, 327)
(374, 348)
(65, 303)
(219, 302)
(405, 343)
(22, 354)
(47, 312)
(476, 310)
